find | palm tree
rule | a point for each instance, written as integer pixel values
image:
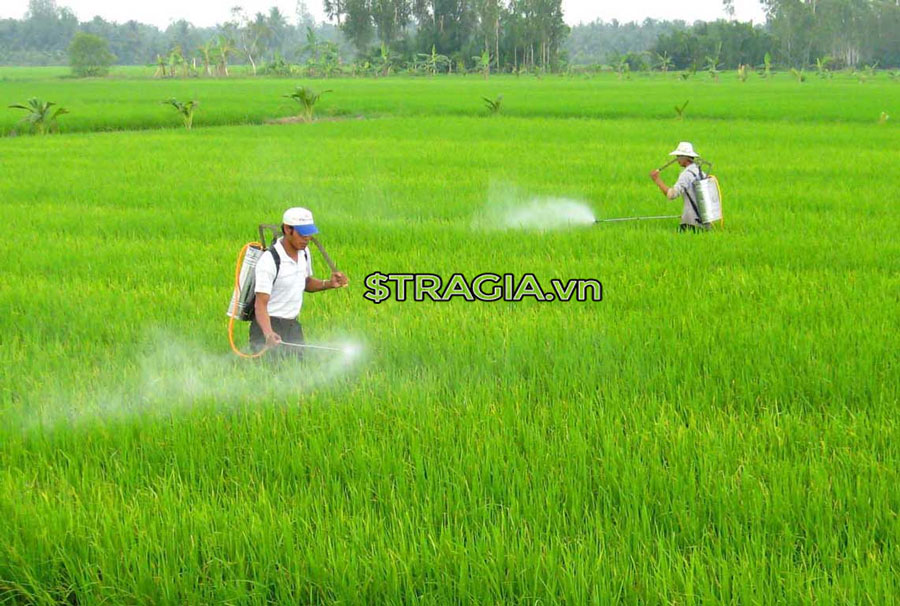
(307, 98)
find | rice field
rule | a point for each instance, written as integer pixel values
(720, 428)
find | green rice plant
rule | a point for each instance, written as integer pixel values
(40, 116)
(184, 109)
(493, 106)
(679, 111)
(307, 98)
(463, 470)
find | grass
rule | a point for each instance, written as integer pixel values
(127, 103)
(721, 428)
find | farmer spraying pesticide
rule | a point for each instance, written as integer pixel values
(270, 283)
(700, 192)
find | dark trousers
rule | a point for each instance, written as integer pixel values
(289, 330)
(693, 228)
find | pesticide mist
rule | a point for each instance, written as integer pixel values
(509, 208)
(173, 375)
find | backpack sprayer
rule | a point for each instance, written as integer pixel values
(243, 298)
(707, 198)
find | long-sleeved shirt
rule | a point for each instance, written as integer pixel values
(684, 187)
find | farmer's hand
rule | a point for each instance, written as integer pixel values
(654, 174)
(338, 280)
(272, 339)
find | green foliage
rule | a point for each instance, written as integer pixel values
(185, 110)
(742, 73)
(822, 67)
(279, 67)
(765, 69)
(484, 63)
(89, 55)
(435, 62)
(883, 118)
(307, 98)
(664, 61)
(679, 111)
(493, 106)
(712, 63)
(798, 75)
(40, 116)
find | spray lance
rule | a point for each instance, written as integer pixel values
(244, 295)
(710, 199)
(660, 169)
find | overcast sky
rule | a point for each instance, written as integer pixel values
(210, 12)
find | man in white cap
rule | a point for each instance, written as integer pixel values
(283, 274)
(685, 156)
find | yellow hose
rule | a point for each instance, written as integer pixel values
(237, 292)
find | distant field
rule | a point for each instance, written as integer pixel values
(721, 428)
(121, 103)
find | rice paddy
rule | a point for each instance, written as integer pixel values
(720, 428)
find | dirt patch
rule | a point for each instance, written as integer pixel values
(300, 120)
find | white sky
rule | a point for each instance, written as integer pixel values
(210, 12)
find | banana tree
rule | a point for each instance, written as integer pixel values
(384, 63)
(435, 60)
(493, 105)
(207, 51)
(224, 48)
(484, 62)
(186, 110)
(160, 67)
(822, 64)
(713, 62)
(765, 70)
(41, 116)
(664, 61)
(176, 60)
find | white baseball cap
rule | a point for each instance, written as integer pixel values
(301, 220)
(685, 149)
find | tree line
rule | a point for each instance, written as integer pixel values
(380, 36)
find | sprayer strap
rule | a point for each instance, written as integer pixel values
(277, 258)
(687, 192)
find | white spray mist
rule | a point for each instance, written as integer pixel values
(174, 375)
(508, 208)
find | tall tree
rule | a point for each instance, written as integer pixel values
(390, 17)
(358, 25)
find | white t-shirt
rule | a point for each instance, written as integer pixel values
(286, 294)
